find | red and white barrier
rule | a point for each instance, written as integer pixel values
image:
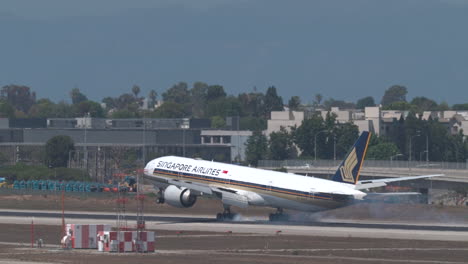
(126, 241)
(85, 236)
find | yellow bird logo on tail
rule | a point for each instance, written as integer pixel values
(348, 166)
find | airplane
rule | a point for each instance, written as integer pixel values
(181, 180)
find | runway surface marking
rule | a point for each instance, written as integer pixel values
(364, 259)
(12, 261)
(290, 253)
(176, 223)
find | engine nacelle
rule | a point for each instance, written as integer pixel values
(179, 197)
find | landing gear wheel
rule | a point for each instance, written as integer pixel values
(279, 216)
(272, 217)
(219, 217)
(232, 217)
(226, 215)
(160, 197)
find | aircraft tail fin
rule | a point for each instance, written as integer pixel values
(350, 167)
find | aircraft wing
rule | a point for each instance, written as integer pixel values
(367, 184)
(382, 196)
(389, 194)
(194, 186)
(231, 197)
(227, 195)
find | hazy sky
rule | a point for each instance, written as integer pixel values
(342, 49)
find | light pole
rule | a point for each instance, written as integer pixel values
(144, 141)
(183, 142)
(420, 155)
(315, 144)
(410, 144)
(427, 151)
(86, 141)
(334, 147)
(394, 156)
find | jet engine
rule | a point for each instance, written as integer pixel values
(179, 197)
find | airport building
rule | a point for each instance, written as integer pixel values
(373, 119)
(101, 144)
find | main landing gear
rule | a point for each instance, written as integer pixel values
(160, 197)
(279, 216)
(227, 215)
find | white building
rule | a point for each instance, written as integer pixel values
(236, 139)
(342, 116)
(373, 119)
(286, 119)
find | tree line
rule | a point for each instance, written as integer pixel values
(411, 138)
(201, 100)
(315, 137)
(179, 101)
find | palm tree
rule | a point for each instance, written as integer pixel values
(153, 95)
(136, 90)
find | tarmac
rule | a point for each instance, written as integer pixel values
(255, 225)
(184, 246)
(358, 234)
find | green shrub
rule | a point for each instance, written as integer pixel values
(25, 172)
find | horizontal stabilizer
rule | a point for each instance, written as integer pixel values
(367, 184)
(371, 196)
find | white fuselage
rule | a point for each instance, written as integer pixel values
(261, 187)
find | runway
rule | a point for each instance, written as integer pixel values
(254, 225)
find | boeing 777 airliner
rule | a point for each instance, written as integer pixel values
(181, 180)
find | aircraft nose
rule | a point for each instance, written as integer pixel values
(147, 168)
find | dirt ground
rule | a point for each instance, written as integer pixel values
(205, 247)
(103, 202)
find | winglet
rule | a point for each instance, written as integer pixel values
(350, 167)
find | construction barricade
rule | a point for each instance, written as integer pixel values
(126, 241)
(85, 236)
